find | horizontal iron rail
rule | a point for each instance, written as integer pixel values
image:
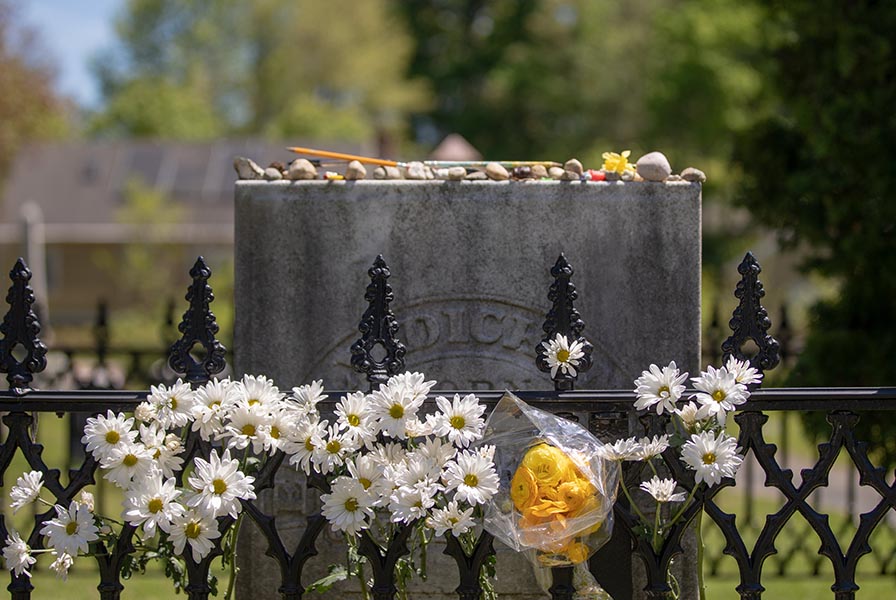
(772, 399)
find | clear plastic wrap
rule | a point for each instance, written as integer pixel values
(556, 493)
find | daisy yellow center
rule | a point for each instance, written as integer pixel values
(453, 520)
(71, 528)
(471, 480)
(309, 445)
(254, 401)
(709, 458)
(562, 355)
(157, 454)
(457, 422)
(220, 486)
(365, 482)
(718, 395)
(354, 420)
(351, 505)
(663, 391)
(418, 504)
(173, 402)
(129, 460)
(248, 429)
(192, 530)
(215, 404)
(155, 505)
(334, 446)
(275, 432)
(396, 411)
(112, 437)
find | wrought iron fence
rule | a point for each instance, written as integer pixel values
(198, 355)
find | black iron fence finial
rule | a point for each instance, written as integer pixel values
(198, 327)
(750, 321)
(563, 319)
(22, 354)
(378, 328)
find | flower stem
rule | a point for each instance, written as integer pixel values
(234, 532)
(631, 502)
(701, 584)
(684, 505)
(656, 529)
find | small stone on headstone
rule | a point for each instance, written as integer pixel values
(692, 174)
(556, 173)
(539, 172)
(570, 176)
(673, 177)
(393, 173)
(628, 175)
(456, 173)
(654, 166)
(415, 170)
(496, 171)
(574, 165)
(440, 173)
(355, 170)
(612, 176)
(379, 173)
(476, 176)
(272, 174)
(246, 168)
(301, 168)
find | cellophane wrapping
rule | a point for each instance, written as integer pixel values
(556, 496)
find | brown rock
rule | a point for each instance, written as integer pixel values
(574, 165)
(692, 174)
(496, 171)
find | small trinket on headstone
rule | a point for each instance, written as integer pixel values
(595, 175)
(523, 172)
(333, 176)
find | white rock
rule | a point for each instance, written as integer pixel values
(379, 173)
(246, 168)
(556, 172)
(301, 168)
(272, 174)
(415, 170)
(574, 165)
(496, 171)
(440, 173)
(476, 176)
(355, 170)
(456, 173)
(628, 175)
(393, 173)
(692, 174)
(654, 166)
(674, 177)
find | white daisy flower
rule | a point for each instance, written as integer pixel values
(145, 412)
(331, 451)
(127, 463)
(718, 393)
(472, 477)
(219, 485)
(393, 407)
(309, 395)
(743, 372)
(173, 405)
(256, 391)
(451, 518)
(26, 490)
(213, 401)
(87, 499)
(197, 530)
(410, 503)
(300, 442)
(711, 457)
(165, 448)
(563, 356)
(104, 434)
(275, 433)
(244, 428)
(17, 555)
(438, 450)
(488, 452)
(649, 448)
(348, 506)
(627, 449)
(660, 388)
(72, 529)
(62, 564)
(152, 503)
(354, 416)
(413, 384)
(390, 453)
(416, 471)
(688, 416)
(417, 428)
(367, 472)
(460, 420)
(663, 490)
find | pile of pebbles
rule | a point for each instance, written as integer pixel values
(653, 166)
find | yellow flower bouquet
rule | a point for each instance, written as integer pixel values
(557, 492)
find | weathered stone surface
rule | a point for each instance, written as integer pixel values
(355, 170)
(246, 168)
(301, 168)
(496, 171)
(654, 166)
(469, 264)
(692, 174)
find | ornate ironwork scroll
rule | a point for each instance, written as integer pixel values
(563, 319)
(378, 328)
(20, 329)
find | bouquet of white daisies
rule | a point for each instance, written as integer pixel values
(385, 466)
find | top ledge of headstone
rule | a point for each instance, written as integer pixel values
(446, 183)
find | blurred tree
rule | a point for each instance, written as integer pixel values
(334, 69)
(820, 169)
(29, 108)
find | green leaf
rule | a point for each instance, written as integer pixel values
(336, 573)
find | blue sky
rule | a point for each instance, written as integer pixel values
(72, 31)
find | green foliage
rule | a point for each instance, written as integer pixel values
(820, 169)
